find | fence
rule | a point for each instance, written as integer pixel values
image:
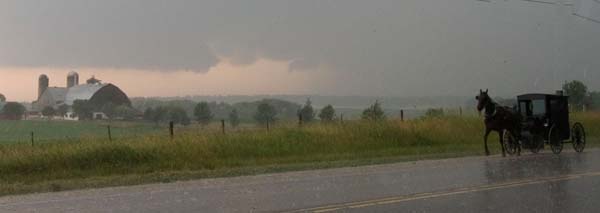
(36, 132)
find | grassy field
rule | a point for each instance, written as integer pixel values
(94, 161)
(63, 131)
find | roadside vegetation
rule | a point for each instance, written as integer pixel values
(198, 152)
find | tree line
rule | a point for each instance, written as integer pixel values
(265, 112)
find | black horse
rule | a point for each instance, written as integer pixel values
(497, 118)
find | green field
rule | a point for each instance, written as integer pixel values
(64, 131)
(150, 155)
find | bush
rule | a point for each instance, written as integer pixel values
(327, 114)
(13, 111)
(374, 112)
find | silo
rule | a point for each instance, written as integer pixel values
(42, 84)
(72, 79)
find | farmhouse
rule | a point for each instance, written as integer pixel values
(94, 91)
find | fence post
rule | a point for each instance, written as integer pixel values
(32, 138)
(171, 133)
(268, 124)
(109, 134)
(342, 118)
(299, 119)
(401, 115)
(460, 111)
(223, 126)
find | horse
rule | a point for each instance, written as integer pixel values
(497, 118)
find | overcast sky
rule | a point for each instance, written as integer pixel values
(330, 47)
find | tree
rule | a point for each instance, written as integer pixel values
(125, 112)
(234, 118)
(13, 111)
(2, 98)
(265, 113)
(595, 100)
(327, 114)
(577, 92)
(48, 111)
(83, 109)
(148, 114)
(374, 112)
(156, 115)
(178, 115)
(202, 113)
(109, 110)
(62, 110)
(307, 113)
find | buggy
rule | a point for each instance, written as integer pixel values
(544, 121)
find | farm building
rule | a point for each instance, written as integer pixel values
(2, 104)
(94, 91)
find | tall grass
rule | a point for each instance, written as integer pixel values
(209, 150)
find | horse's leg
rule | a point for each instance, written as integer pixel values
(502, 144)
(485, 137)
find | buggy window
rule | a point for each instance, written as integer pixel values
(538, 107)
(524, 109)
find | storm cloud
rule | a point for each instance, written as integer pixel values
(407, 45)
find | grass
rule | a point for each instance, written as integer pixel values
(95, 161)
(52, 131)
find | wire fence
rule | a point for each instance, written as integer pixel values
(51, 131)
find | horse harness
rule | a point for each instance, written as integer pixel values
(491, 110)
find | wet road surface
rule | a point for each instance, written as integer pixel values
(530, 183)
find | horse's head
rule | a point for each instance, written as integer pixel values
(482, 99)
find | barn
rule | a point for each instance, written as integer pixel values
(95, 92)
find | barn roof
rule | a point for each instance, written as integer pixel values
(82, 92)
(57, 93)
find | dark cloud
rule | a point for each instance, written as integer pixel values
(403, 47)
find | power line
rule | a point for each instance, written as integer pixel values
(587, 18)
(542, 2)
(567, 4)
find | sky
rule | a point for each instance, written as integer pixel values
(325, 47)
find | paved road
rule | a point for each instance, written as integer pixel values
(530, 183)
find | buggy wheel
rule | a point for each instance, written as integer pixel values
(510, 143)
(578, 137)
(536, 144)
(554, 140)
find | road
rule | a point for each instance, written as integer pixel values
(529, 183)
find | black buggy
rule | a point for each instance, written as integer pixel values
(544, 121)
